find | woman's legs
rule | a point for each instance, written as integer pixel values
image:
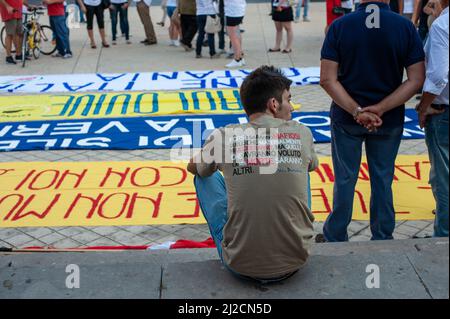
(101, 24)
(235, 42)
(124, 21)
(90, 23)
(279, 35)
(290, 35)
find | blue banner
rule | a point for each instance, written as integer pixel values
(149, 132)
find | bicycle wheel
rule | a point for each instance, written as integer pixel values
(24, 48)
(46, 44)
(3, 39)
(37, 45)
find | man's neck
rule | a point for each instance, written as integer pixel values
(256, 116)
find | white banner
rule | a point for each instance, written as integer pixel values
(154, 81)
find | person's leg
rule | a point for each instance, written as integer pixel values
(192, 29)
(298, 9)
(58, 24)
(436, 134)
(124, 22)
(90, 23)
(346, 148)
(144, 14)
(222, 33)
(290, 35)
(56, 36)
(65, 36)
(18, 37)
(99, 14)
(381, 150)
(113, 12)
(306, 10)
(201, 22)
(211, 44)
(8, 45)
(212, 198)
(235, 41)
(278, 36)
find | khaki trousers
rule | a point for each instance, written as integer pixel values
(144, 14)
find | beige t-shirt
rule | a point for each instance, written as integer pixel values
(270, 227)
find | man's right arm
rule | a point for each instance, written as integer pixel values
(7, 6)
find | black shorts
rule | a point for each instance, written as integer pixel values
(234, 21)
(286, 15)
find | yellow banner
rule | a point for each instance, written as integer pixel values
(154, 193)
(109, 105)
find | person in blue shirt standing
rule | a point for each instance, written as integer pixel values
(363, 59)
(433, 115)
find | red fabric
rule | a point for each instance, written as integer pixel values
(56, 9)
(180, 244)
(330, 15)
(16, 4)
(183, 244)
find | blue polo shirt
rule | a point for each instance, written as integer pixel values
(372, 61)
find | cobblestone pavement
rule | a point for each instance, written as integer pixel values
(313, 98)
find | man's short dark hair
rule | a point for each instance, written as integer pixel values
(262, 84)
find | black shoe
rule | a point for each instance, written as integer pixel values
(10, 60)
(144, 41)
(320, 238)
(20, 58)
(151, 43)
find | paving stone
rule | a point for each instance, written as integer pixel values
(153, 234)
(37, 232)
(19, 240)
(406, 230)
(71, 231)
(103, 242)
(86, 237)
(6, 233)
(105, 230)
(136, 229)
(52, 238)
(419, 224)
(66, 243)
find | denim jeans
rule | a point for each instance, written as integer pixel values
(436, 136)
(212, 197)
(124, 25)
(61, 34)
(381, 150)
(201, 23)
(298, 9)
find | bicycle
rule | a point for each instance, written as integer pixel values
(37, 38)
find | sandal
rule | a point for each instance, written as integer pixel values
(105, 45)
(287, 51)
(274, 50)
(93, 46)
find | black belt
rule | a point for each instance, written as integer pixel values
(439, 106)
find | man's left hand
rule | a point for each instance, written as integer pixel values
(424, 112)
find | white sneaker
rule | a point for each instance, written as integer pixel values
(243, 61)
(176, 43)
(235, 64)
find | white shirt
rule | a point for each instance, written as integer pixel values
(205, 7)
(408, 6)
(347, 4)
(436, 51)
(235, 8)
(119, 1)
(93, 3)
(147, 2)
(171, 3)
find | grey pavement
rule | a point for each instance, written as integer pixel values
(258, 37)
(403, 269)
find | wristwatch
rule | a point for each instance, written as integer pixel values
(357, 112)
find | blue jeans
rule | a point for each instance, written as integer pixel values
(201, 22)
(436, 136)
(61, 34)
(124, 25)
(381, 150)
(212, 198)
(298, 9)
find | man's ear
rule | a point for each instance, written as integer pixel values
(272, 105)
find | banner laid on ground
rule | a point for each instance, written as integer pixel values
(109, 105)
(154, 81)
(153, 193)
(149, 132)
